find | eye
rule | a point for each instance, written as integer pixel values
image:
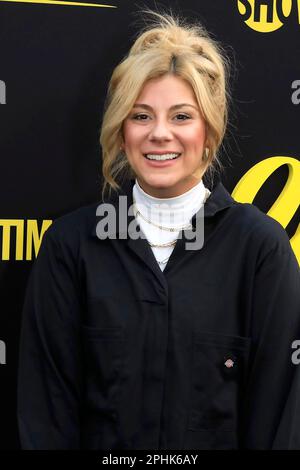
(183, 117)
(140, 117)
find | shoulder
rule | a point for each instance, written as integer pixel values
(73, 227)
(259, 228)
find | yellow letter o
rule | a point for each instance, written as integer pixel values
(287, 202)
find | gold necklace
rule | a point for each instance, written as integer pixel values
(169, 229)
(163, 245)
(163, 261)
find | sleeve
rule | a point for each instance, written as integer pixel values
(50, 362)
(271, 410)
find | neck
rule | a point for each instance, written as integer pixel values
(180, 208)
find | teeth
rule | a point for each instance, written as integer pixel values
(165, 156)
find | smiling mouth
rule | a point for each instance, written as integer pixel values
(163, 157)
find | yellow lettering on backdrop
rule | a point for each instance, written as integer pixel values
(58, 2)
(287, 202)
(6, 226)
(34, 237)
(263, 16)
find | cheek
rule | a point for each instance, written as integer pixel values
(132, 137)
(194, 136)
(200, 137)
(127, 133)
(195, 142)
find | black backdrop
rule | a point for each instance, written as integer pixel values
(55, 63)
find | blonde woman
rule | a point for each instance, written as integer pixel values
(133, 337)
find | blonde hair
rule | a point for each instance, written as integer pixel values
(167, 45)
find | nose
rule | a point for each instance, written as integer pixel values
(160, 131)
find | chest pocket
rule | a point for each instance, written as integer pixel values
(218, 377)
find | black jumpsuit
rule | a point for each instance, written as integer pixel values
(116, 354)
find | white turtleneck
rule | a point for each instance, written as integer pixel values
(172, 212)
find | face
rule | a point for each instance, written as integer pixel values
(165, 120)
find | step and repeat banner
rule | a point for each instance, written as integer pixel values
(56, 58)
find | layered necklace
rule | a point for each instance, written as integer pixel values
(137, 212)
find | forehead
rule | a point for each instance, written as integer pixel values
(169, 88)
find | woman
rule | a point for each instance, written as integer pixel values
(132, 337)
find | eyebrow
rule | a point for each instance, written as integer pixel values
(176, 106)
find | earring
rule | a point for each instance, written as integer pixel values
(205, 153)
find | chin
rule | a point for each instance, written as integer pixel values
(160, 183)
